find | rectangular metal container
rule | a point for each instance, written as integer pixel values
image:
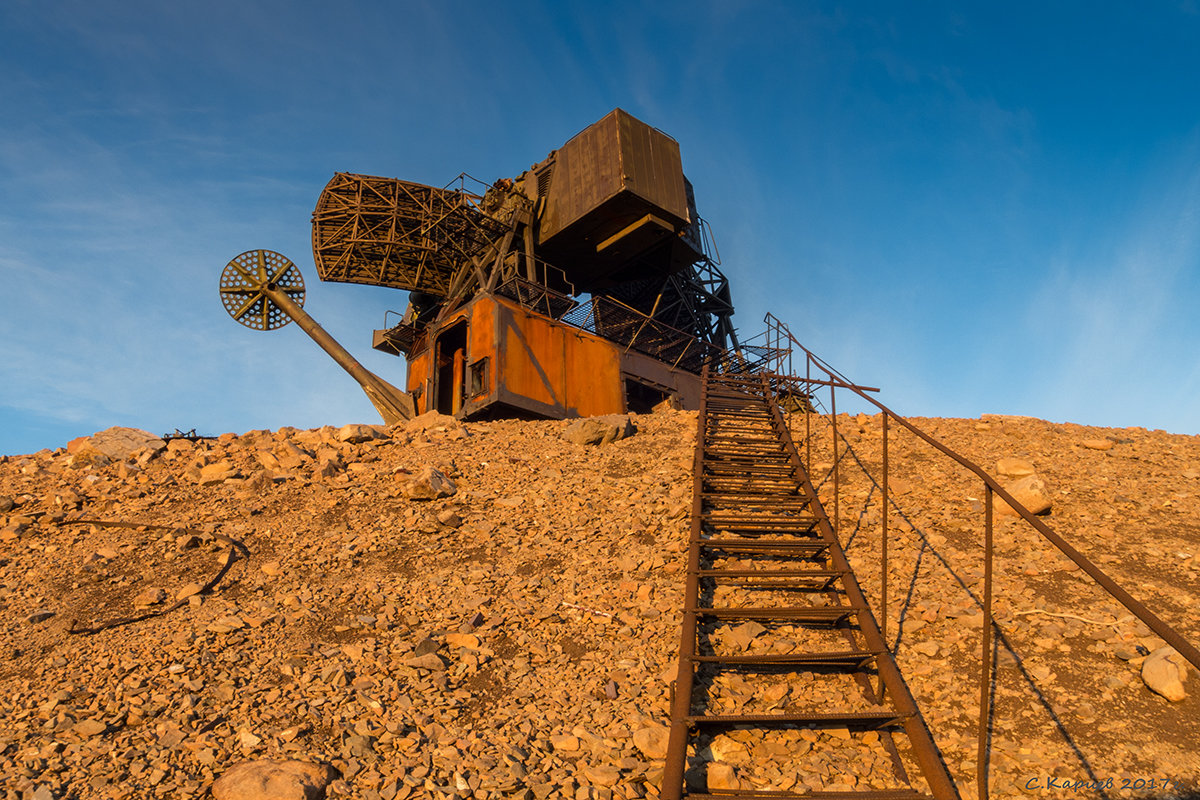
(606, 180)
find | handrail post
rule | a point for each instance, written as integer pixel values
(883, 556)
(883, 551)
(985, 675)
(836, 486)
(808, 411)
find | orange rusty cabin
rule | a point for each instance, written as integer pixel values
(494, 357)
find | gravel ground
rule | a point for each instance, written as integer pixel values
(1070, 705)
(517, 638)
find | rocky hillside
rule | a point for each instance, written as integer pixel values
(492, 609)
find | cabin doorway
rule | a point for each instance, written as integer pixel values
(641, 397)
(451, 373)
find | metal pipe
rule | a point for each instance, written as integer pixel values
(393, 405)
(796, 382)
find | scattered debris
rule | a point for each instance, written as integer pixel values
(154, 596)
(315, 669)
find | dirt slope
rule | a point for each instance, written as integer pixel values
(518, 637)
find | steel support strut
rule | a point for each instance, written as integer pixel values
(393, 405)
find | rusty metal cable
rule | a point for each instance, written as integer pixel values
(235, 547)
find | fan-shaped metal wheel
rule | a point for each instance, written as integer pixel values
(245, 284)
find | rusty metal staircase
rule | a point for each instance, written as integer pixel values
(785, 688)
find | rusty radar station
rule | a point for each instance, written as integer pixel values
(586, 285)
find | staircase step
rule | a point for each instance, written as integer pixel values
(823, 574)
(863, 721)
(793, 547)
(833, 659)
(788, 613)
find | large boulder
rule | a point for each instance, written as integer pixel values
(274, 780)
(722, 777)
(652, 741)
(1030, 492)
(1164, 672)
(357, 434)
(1020, 479)
(218, 472)
(428, 484)
(431, 421)
(1012, 469)
(599, 430)
(112, 444)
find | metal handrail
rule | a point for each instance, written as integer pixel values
(777, 333)
(1164, 631)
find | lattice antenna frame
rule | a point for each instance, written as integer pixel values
(246, 281)
(404, 235)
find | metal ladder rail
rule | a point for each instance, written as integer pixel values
(835, 615)
(929, 759)
(817, 615)
(733, 397)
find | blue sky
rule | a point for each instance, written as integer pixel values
(981, 208)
